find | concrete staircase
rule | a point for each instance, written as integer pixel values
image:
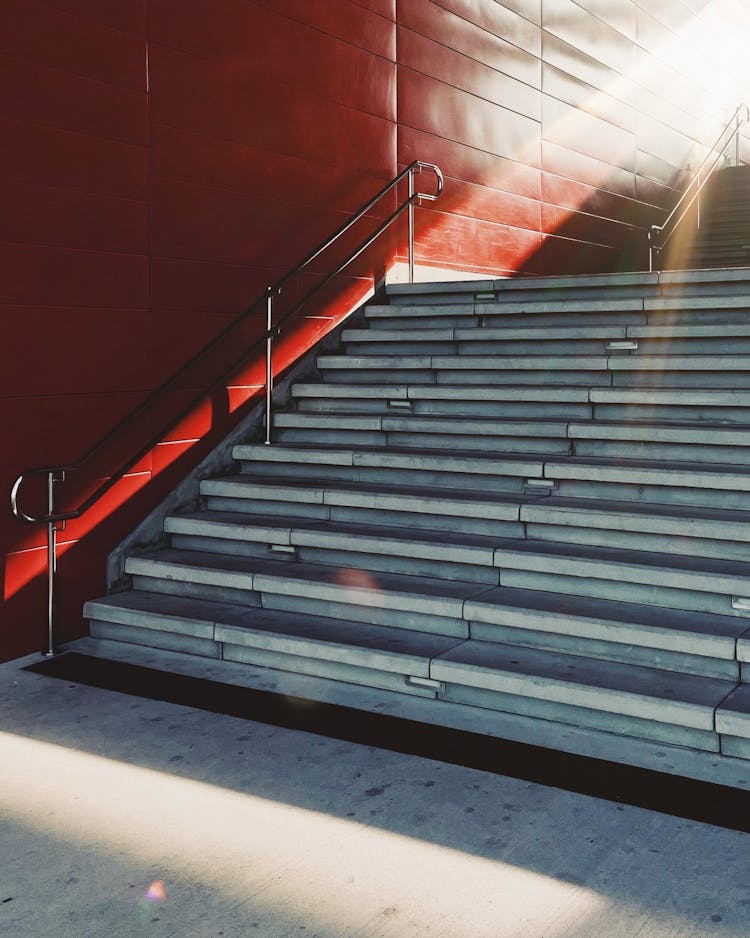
(519, 507)
(723, 239)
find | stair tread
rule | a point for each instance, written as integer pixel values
(477, 498)
(661, 623)
(383, 584)
(642, 509)
(699, 573)
(247, 625)
(569, 394)
(633, 428)
(464, 499)
(487, 664)
(479, 333)
(301, 532)
(727, 574)
(369, 455)
(576, 362)
(553, 465)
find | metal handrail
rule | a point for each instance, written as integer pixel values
(57, 474)
(712, 157)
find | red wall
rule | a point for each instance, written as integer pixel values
(137, 220)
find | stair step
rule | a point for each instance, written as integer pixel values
(367, 538)
(393, 497)
(676, 572)
(449, 461)
(699, 439)
(580, 363)
(628, 690)
(629, 625)
(394, 424)
(416, 603)
(480, 470)
(534, 333)
(365, 647)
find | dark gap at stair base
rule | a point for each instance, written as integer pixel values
(645, 788)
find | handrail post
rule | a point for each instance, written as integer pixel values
(411, 226)
(51, 565)
(269, 361)
(650, 250)
(737, 140)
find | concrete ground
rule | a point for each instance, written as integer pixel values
(123, 816)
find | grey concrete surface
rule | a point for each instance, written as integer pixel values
(122, 816)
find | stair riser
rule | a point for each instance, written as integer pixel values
(512, 410)
(616, 588)
(411, 507)
(480, 444)
(641, 540)
(695, 452)
(332, 670)
(537, 320)
(606, 700)
(368, 614)
(407, 476)
(364, 559)
(362, 606)
(677, 452)
(655, 494)
(607, 651)
(471, 377)
(528, 411)
(218, 594)
(582, 716)
(545, 379)
(403, 347)
(671, 412)
(430, 441)
(626, 642)
(481, 346)
(409, 566)
(152, 638)
(250, 506)
(428, 522)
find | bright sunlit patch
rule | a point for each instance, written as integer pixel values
(22, 566)
(338, 876)
(711, 48)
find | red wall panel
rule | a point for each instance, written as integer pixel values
(49, 156)
(36, 33)
(145, 207)
(129, 16)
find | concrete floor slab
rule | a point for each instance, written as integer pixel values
(125, 816)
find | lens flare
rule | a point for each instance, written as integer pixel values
(359, 580)
(157, 891)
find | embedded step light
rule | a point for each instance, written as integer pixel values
(425, 683)
(539, 486)
(741, 603)
(622, 346)
(286, 550)
(400, 405)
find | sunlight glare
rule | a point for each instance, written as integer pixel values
(337, 873)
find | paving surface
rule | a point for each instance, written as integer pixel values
(124, 816)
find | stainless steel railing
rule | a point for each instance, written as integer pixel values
(659, 236)
(58, 474)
